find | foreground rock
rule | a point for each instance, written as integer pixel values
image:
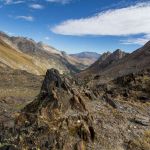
(68, 115)
(56, 119)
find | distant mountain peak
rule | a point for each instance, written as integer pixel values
(118, 54)
(109, 57)
(104, 56)
(118, 51)
(147, 44)
(88, 58)
(86, 55)
(104, 62)
(3, 34)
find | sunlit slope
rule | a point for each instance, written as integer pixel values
(18, 60)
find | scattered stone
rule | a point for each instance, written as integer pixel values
(90, 95)
(144, 99)
(141, 121)
(110, 102)
(64, 117)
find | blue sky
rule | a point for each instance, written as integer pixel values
(79, 25)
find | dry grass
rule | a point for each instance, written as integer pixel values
(18, 60)
(142, 143)
(17, 92)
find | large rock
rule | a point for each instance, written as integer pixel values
(59, 112)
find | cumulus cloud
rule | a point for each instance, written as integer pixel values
(131, 20)
(9, 2)
(36, 6)
(26, 18)
(139, 41)
(59, 1)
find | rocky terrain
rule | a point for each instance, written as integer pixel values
(71, 115)
(104, 107)
(17, 88)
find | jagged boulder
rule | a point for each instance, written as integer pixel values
(56, 94)
(58, 117)
(51, 81)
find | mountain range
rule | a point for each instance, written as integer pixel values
(105, 106)
(88, 58)
(26, 54)
(119, 63)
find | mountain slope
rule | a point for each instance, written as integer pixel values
(87, 55)
(104, 62)
(86, 58)
(49, 57)
(43, 51)
(17, 60)
(44, 56)
(110, 66)
(134, 62)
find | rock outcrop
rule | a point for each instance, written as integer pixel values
(71, 116)
(59, 113)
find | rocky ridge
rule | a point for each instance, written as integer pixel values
(111, 67)
(103, 63)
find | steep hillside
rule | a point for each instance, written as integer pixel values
(17, 60)
(46, 56)
(63, 55)
(49, 49)
(134, 62)
(40, 58)
(105, 61)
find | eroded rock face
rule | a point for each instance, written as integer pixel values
(52, 80)
(59, 113)
(57, 93)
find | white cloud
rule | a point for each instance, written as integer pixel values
(9, 33)
(47, 38)
(27, 18)
(59, 1)
(36, 6)
(131, 20)
(139, 41)
(9, 2)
